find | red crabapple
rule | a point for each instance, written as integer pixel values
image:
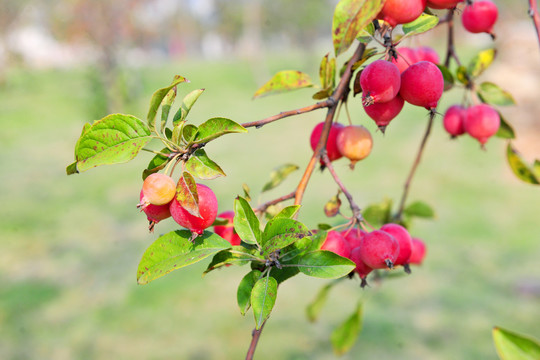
(353, 236)
(331, 145)
(481, 122)
(362, 269)
(383, 113)
(158, 189)
(380, 82)
(155, 213)
(397, 12)
(426, 53)
(443, 4)
(227, 231)
(422, 84)
(405, 58)
(355, 143)
(418, 251)
(207, 207)
(405, 243)
(479, 17)
(336, 243)
(380, 250)
(454, 120)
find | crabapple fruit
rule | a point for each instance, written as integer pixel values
(380, 82)
(155, 213)
(405, 242)
(336, 243)
(418, 251)
(397, 12)
(361, 268)
(383, 113)
(405, 58)
(380, 250)
(158, 189)
(422, 84)
(479, 17)
(227, 231)
(354, 142)
(207, 208)
(454, 120)
(443, 4)
(481, 122)
(426, 53)
(353, 236)
(331, 145)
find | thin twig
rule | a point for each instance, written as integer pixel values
(451, 51)
(284, 114)
(533, 13)
(262, 208)
(255, 335)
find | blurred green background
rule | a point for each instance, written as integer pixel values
(71, 245)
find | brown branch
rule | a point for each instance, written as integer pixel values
(339, 94)
(260, 123)
(451, 51)
(397, 217)
(262, 208)
(255, 335)
(533, 13)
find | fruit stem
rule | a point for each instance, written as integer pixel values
(451, 51)
(533, 13)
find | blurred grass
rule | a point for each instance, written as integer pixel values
(71, 245)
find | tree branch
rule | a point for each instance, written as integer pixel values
(260, 123)
(451, 51)
(262, 208)
(255, 335)
(533, 13)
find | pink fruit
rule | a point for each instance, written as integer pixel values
(380, 82)
(158, 189)
(426, 53)
(380, 250)
(331, 145)
(443, 4)
(354, 142)
(353, 236)
(383, 113)
(207, 207)
(403, 238)
(482, 122)
(155, 213)
(336, 243)
(405, 58)
(479, 17)
(422, 84)
(418, 251)
(454, 120)
(227, 231)
(397, 12)
(361, 268)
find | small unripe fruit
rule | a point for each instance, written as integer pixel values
(405, 58)
(454, 120)
(355, 143)
(379, 250)
(207, 208)
(404, 240)
(479, 17)
(336, 243)
(426, 53)
(331, 145)
(361, 268)
(227, 231)
(397, 12)
(158, 189)
(482, 122)
(383, 113)
(353, 236)
(418, 252)
(422, 84)
(443, 4)
(155, 213)
(380, 82)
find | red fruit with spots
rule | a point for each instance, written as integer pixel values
(155, 213)
(405, 58)
(397, 12)
(355, 143)
(418, 252)
(383, 113)
(380, 82)
(482, 122)
(422, 84)
(405, 242)
(361, 268)
(454, 120)
(227, 231)
(353, 236)
(426, 53)
(336, 243)
(379, 250)
(480, 17)
(331, 145)
(443, 4)
(158, 189)
(207, 207)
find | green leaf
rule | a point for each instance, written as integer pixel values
(513, 346)
(490, 93)
(422, 24)
(314, 308)
(522, 171)
(246, 223)
(263, 298)
(176, 135)
(243, 294)
(202, 167)
(246, 190)
(174, 250)
(280, 233)
(462, 75)
(240, 256)
(324, 264)
(327, 73)
(278, 175)
(284, 81)
(216, 127)
(284, 273)
(288, 212)
(189, 132)
(323, 94)
(350, 18)
(378, 214)
(419, 209)
(166, 104)
(157, 163)
(187, 104)
(505, 129)
(116, 138)
(481, 62)
(536, 168)
(447, 76)
(186, 194)
(157, 98)
(345, 335)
